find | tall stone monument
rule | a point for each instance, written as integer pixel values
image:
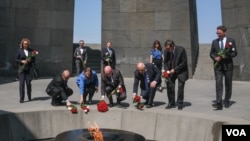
(133, 25)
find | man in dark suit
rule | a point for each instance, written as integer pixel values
(59, 90)
(223, 49)
(81, 56)
(148, 75)
(175, 63)
(108, 56)
(25, 59)
(110, 81)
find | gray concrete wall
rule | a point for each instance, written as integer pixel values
(49, 26)
(177, 126)
(133, 26)
(235, 15)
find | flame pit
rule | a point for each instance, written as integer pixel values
(108, 135)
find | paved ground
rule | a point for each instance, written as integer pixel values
(199, 95)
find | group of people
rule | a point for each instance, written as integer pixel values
(147, 76)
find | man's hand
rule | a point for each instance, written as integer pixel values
(68, 103)
(134, 94)
(172, 71)
(153, 84)
(96, 89)
(217, 59)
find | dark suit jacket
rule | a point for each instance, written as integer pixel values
(154, 75)
(117, 80)
(179, 62)
(227, 63)
(21, 56)
(58, 83)
(112, 57)
(84, 54)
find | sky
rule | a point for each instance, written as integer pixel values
(87, 20)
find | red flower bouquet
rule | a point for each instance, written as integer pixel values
(33, 54)
(73, 109)
(165, 74)
(102, 106)
(137, 100)
(85, 108)
(222, 52)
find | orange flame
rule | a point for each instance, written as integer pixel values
(95, 132)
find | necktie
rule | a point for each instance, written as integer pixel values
(221, 44)
(147, 81)
(172, 60)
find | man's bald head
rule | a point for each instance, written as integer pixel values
(107, 70)
(66, 74)
(141, 67)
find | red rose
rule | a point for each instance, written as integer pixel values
(137, 99)
(140, 106)
(228, 45)
(74, 111)
(121, 90)
(85, 108)
(72, 108)
(165, 74)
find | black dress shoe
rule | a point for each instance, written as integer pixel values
(217, 106)
(150, 106)
(21, 101)
(111, 105)
(180, 107)
(120, 105)
(169, 106)
(226, 105)
(90, 102)
(57, 104)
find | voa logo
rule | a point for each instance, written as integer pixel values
(236, 132)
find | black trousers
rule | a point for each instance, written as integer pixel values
(89, 91)
(158, 63)
(79, 67)
(171, 90)
(24, 78)
(148, 95)
(219, 85)
(119, 98)
(59, 94)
